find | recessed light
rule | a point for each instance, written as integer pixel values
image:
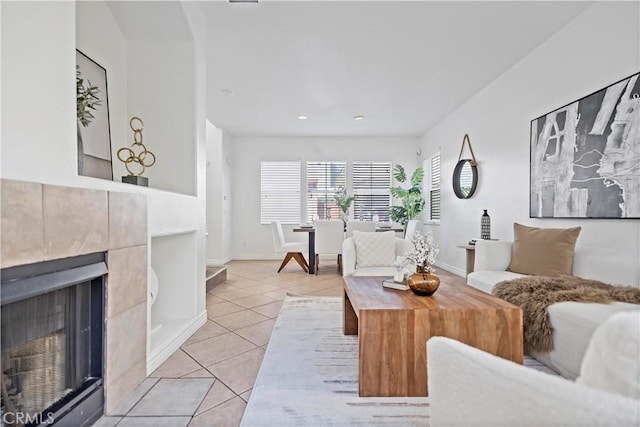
(226, 92)
(358, 118)
(302, 117)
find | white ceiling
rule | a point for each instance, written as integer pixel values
(151, 20)
(403, 65)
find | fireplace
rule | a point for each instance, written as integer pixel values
(52, 342)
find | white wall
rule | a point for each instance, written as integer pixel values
(219, 218)
(227, 188)
(599, 47)
(161, 77)
(38, 101)
(214, 195)
(38, 78)
(98, 36)
(252, 240)
(38, 69)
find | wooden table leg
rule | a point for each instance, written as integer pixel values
(349, 318)
(392, 356)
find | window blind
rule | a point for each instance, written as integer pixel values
(280, 192)
(371, 186)
(323, 180)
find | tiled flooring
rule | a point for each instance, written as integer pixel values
(207, 382)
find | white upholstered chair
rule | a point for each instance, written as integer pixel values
(329, 238)
(412, 226)
(360, 226)
(292, 249)
(470, 387)
(351, 267)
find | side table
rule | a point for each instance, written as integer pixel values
(471, 256)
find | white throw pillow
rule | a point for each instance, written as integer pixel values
(612, 359)
(375, 249)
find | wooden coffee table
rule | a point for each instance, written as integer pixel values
(394, 326)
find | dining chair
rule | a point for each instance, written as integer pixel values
(292, 249)
(412, 226)
(329, 238)
(360, 226)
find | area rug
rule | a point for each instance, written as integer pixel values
(309, 375)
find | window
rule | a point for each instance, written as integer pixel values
(371, 184)
(323, 179)
(280, 192)
(432, 187)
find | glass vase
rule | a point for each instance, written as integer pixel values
(423, 284)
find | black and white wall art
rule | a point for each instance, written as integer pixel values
(585, 156)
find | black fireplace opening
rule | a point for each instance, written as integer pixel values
(52, 323)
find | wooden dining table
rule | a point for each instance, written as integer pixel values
(312, 246)
(312, 241)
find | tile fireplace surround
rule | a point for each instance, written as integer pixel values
(41, 222)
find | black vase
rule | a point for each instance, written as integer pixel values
(485, 226)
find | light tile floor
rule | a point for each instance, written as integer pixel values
(208, 381)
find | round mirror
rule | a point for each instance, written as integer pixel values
(465, 179)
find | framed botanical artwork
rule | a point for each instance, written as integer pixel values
(585, 156)
(92, 111)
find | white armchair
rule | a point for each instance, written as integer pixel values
(329, 238)
(349, 258)
(468, 387)
(368, 226)
(292, 250)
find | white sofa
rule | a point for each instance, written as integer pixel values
(573, 322)
(469, 387)
(349, 258)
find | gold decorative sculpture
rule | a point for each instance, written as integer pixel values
(138, 158)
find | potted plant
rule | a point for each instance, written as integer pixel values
(411, 198)
(343, 200)
(423, 257)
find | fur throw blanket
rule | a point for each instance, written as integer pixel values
(534, 294)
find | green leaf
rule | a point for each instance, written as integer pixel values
(398, 214)
(86, 99)
(416, 178)
(399, 173)
(398, 192)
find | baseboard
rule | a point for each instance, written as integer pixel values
(218, 262)
(216, 278)
(159, 356)
(260, 257)
(278, 257)
(451, 269)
